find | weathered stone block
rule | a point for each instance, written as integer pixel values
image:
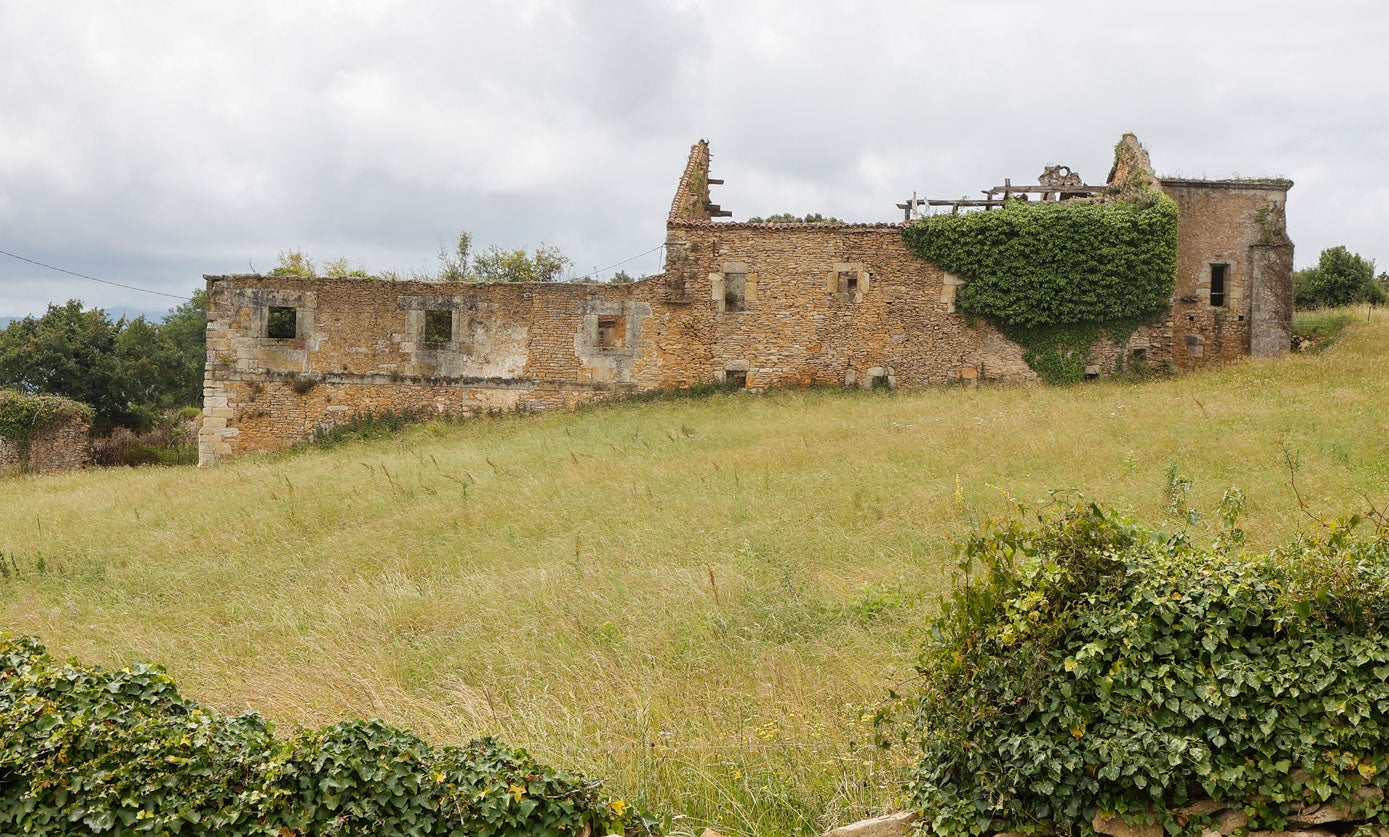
(1117, 827)
(892, 825)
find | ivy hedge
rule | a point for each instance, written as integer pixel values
(1049, 274)
(21, 414)
(1092, 665)
(85, 750)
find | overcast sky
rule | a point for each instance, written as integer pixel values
(150, 143)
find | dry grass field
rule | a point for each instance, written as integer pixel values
(700, 600)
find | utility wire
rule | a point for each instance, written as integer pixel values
(593, 275)
(596, 273)
(93, 278)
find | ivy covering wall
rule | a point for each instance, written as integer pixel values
(22, 414)
(1054, 277)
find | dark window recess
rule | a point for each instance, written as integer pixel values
(612, 332)
(735, 288)
(848, 282)
(879, 382)
(1218, 272)
(1139, 355)
(282, 323)
(735, 378)
(438, 327)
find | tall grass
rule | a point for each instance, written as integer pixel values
(700, 600)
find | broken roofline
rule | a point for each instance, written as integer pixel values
(693, 206)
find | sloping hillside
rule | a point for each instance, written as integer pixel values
(698, 599)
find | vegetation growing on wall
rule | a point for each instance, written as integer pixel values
(21, 415)
(1094, 665)
(1055, 276)
(122, 752)
(792, 218)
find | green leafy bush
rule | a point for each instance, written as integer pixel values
(1340, 278)
(85, 750)
(1094, 665)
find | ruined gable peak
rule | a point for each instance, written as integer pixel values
(1133, 169)
(692, 195)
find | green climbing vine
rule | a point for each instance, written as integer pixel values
(21, 415)
(1055, 277)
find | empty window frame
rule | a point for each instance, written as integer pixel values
(438, 327)
(612, 332)
(735, 378)
(848, 283)
(282, 323)
(1219, 272)
(735, 289)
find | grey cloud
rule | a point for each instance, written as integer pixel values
(149, 144)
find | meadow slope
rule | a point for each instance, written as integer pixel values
(699, 600)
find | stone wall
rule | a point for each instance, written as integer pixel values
(755, 305)
(61, 443)
(1238, 229)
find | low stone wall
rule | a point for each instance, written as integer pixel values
(41, 434)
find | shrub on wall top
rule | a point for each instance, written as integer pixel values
(1097, 666)
(21, 414)
(86, 750)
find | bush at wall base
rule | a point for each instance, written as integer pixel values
(1093, 665)
(89, 751)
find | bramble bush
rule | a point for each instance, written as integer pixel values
(92, 751)
(1091, 664)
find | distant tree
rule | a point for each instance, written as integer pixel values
(186, 329)
(72, 353)
(1340, 278)
(622, 277)
(128, 371)
(546, 264)
(788, 218)
(151, 367)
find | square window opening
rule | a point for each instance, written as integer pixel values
(282, 323)
(848, 282)
(879, 382)
(1138, 356)
(1218, 273)
(735, 378)
(735, 287)
(612, 332)
(438, 327)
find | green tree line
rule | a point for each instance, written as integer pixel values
(1340, 278)
(128, 371)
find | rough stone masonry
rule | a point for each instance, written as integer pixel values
(752, 305)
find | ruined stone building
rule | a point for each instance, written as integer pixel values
(749, 304)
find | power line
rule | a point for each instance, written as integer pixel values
(596, 273)
(93, 278)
